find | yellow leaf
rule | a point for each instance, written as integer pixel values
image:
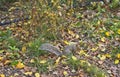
(28, 73)
(71, 32)
(1, 58)
(63, 56)
(76, 36)
(82, 52)
(66, 42)
(12, 8)
(68, 14)
(37, 75)
(118, 31)
(7, 62)
(94, 49)
(32, 61)
(116, 61)
(107, 33)
(20, 65)
(2, 75)
(57, 61)
(59, 7)
(43, 61)
(108, 55)
(118, 55)
(24, 49)
(65, 73)
(74, 58)
(63, 62)
(103, 39)
(30, 44)
(1, 51)
(103, 57)
(98, 22)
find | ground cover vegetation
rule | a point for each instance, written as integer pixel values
(59, 38)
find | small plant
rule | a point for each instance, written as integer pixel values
(115, 4)
(93, 70)
(42, 65)
(73, 62)
(34, 48)
(13, 48)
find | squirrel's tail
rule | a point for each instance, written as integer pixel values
(50, 48)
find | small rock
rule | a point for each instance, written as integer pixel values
(100, 62)
(118, 14)
(109, 71)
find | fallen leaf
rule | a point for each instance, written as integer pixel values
(7, 62)
(1, 51)
(24, 49)
(76, 36)
(32, 61)
(37, 75)
(107, 33)
(20, 65)
(2, 75)
(103, 39)
(65, 73)
(82, 52)
(102, 57)
(74, 58)
(118, 56)
(116, 61)
(118, 31)
(66, 42)
(71, 33)
(1, 58)
(94, 49)
(57, 60)
(43, 61)
(28, 73)
(108, 55)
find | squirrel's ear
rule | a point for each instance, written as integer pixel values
(50, 48)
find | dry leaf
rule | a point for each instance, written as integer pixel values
(24, 49)
(7, 62)
(37, 75)
(57, 61)
(28, 73)
(116, 61)
(1, 58)
(66, 42)
(32, 61)
(71, 32)
(74, 58)
(2, 75)
(107, 33)
(94, 49)
(43, 61)
(118, 56)
(65, 73)
(103, 57)
(82, 52)
(103, 39)
(20, 65)
(108, 55)
(118, 31)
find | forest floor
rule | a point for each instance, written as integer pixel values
(96, 32)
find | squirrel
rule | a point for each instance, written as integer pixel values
(54, 50)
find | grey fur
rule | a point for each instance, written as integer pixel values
(52, 49)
